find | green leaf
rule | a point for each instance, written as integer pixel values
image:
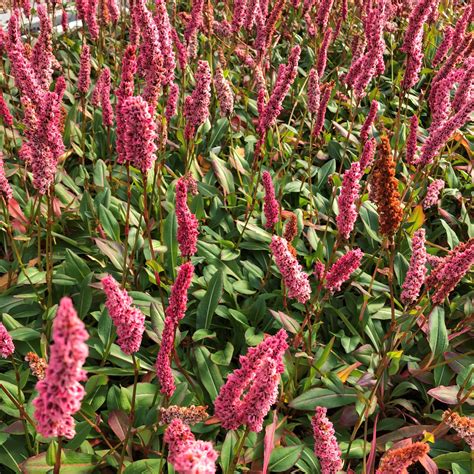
(438, 335)
(209, 373)
(144, 466)
(207, 306)
(462, 458)
(223, 357)
(322, 397)
(284, 458)
(109, 223)
(75, 266)
(450, 235)
(71, 463)
(169, 239)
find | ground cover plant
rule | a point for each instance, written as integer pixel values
(237, 237)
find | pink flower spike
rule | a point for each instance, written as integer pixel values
(224, 93)
(432, 193)
(84, 78)
(347, 200)
(325, 443)
(196, 106)
(174, 313)
(251, 390)
(286, 76)
(140, 133)
(295, 279)
(323, 52)
(367, 157)
(5, 188)
(129, 321)
(411, 146)
(415, 276)
(444, 46)
(5, 113)
(342, 269)
(187, 455)
(172, 103)
(187, 222)
(271, 208)
(314, 93)
(7, 348)
(60, 392)
(369, 121)
(325, 96)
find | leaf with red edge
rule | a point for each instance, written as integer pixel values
(268, 443)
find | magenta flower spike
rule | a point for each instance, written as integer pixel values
(342, 269)
(7, 348)
(174, 313)
(271, 208)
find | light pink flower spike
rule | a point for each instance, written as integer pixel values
(60, 392)
(186, 454)
(128, 320)
(325, 443)
(251, 390)
(296, 280)
(415, 276)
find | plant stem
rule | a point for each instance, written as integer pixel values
(132, 414)
(235, 460)
(57, 464)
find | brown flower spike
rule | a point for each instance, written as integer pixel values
(384, 190)
(188, 415)
(462, 424)
(396, 461)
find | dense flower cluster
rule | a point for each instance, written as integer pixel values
(187, 455)
(139, 136)
(342, 269)
(5, 113)
(84, 77)
(196, 105)
(347, 200)
(60, 392)
(415, 276)
(296, 280)
(462, 424)
(188, 415)
(37, 364)
(128, 320)
(396, 461)
(325, 443)
(174, 313)
(187, 223)
(286, 75)
(432, 193)
(369, 121)
(224, 93)
(5, 188)
(7, 348)
(449, 272)
(411, 146)
(384, 190)
(251, 390)
(271, 208)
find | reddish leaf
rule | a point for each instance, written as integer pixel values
(268, 443)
